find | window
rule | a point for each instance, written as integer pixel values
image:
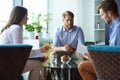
(35, 7)
(4, 14)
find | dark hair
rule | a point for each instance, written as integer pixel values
(68, 13)
(109, 5)
(16, 16)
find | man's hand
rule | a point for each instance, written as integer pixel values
(69, 48)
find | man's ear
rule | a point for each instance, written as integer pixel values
(109, 13)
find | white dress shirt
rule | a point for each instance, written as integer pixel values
(12, 35)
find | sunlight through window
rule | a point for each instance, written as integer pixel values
(5, 6)
(35, 7)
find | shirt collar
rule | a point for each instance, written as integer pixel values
(69, 30)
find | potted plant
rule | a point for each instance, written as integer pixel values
(37, 23)
(30, 31)
(29, 28)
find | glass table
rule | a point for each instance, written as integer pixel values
(61, 71)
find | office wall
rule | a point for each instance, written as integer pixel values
(86, 18)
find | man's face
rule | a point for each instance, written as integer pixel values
(68, 22)
(105, 16)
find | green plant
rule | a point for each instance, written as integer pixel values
(37, 24)
(29, 28)
(38, 28)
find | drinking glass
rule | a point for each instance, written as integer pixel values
(53, 60)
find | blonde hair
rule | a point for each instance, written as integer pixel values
(68, 13)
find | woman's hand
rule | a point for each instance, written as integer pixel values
(44, 59)
(45, 49)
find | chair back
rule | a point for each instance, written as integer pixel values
(13, 58)
(106, 61)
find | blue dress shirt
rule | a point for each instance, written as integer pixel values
(114, 32)
(73, 37)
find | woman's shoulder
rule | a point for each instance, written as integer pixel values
(14, 26)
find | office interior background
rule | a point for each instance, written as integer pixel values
(85, 11)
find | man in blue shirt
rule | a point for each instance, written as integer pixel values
(114, 32)
(109, 13)
(68, 36)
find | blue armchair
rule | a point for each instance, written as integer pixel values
(106, 61)
(12, 60)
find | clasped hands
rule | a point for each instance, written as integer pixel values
(69, 48)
